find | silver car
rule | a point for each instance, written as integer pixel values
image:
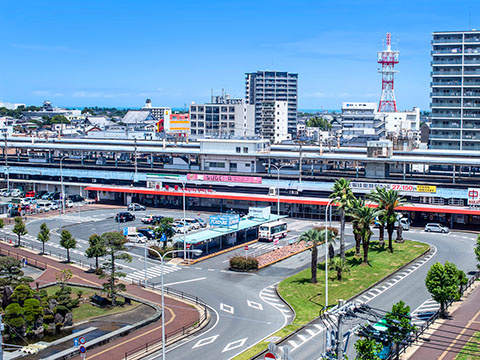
(436, 227)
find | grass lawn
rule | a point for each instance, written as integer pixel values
(308, 299)
(85, 310)
(471, 349)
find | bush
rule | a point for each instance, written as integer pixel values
(243, 264)
(161, 250)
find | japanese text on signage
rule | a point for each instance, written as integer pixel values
(398, 187)
(225, 178)
(473, 196)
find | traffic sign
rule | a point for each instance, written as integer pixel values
(246, 247)
(275, 242)
(188, 246)
(269, 356)
(82, 340)
(75, 342)
(82, 349)
(125, 231)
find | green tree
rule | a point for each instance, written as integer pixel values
(399, 322)
(367, 349)
(477, 251)
(114, 243)
(58, 119)
(343, 196)
(43, 236)
(2, 224)
(319, 122)
(388, 201)
(364, 217)
(354, 206)
(443, 283)
(339, 266)
(68, 242)
(164, 227)
(19, 228)
(332, 236)
(32, 311)
(10, 271)
(14, 319)
(312, 237)
(96, 249)
(21, 293)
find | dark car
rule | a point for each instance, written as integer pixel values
(76, 198)
(148, 233)
(124, 216)
(39, 194)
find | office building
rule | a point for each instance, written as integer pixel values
(455, 90)
(158, 112)
(223, 116)
(362, 119)
(263, 86)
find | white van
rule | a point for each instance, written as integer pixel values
(405, 224)
(44, 206)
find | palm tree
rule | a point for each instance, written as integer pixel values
(340, 266)
(364, 217)
(388, 201)
(312, 237)
(343, 195)
(356, 204)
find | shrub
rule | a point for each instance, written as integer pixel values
(161, 250)
(48, 319)
(243, 264)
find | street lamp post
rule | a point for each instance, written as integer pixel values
(326, 250)
(195, 252)
(278, 168)
(62, 210)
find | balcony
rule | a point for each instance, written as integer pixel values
(446, 105)
(446, 147)
(449, 94)
(447, 41)
(446, 83)
(444, 137)
(445, 73)
(446, 115)
(447, 62)
(447, 51)
(453, 125)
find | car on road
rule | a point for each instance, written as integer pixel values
(124, 216)
(178, 227)
(193, 223)
(30, 194)
(152, 219)
(48, 195)
(148, 233)
(53, 206)
(136, 207)
(44, 206)
(68, 203)
(75, 198)
(39, 194)
(136, 238)
(436, 227)
(201, 222)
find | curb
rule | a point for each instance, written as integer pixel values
(206, 257)
(286, 257)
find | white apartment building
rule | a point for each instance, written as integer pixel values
(401, 121)
(360, 119)
(273, 121)
(158, 112)
(223, 116)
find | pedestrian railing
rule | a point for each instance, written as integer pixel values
(60, 256)
(29, 261)
(179, 331)
(420, 330)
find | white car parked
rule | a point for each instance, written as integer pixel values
(137, 238)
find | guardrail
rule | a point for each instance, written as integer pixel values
(181, 330)
(30, 261)
(401, 348)
(60, 256)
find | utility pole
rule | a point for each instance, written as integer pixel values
(1, 337)
(340, 332)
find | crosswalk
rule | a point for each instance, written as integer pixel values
(424, 312)
(77, 218)
(262, 246)
(152, 272)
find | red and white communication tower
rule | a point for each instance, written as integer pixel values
(387, 59)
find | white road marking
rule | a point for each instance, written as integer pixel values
(235, 344)
(227, 308)
(254, 305)
(185, 281)
(205, 341)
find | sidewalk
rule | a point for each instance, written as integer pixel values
(448, 337)
(177, 313)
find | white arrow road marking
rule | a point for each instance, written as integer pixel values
(205, 341)
(227, 308)
(254, 305)
(235, 344)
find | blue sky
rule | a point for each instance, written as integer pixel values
(118, 53)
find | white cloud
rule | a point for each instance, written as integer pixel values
(47, 93)
(98, 94)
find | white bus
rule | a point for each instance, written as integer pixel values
(272, 231)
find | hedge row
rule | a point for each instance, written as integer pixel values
(243, 263)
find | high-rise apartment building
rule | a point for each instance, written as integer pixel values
(223, 116)
(269, 86)
(361, 119)
(455, 90)
(274, 121)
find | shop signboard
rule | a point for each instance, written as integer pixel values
(224, 220)
(411, 188)
(473, 196)
(225, 178)
(259, 212)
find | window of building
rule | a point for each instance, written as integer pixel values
(224, 109)
(193, 108)
(247, 164)
(217, 164)
(245, 150)
(233, 166)
(231, 109)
